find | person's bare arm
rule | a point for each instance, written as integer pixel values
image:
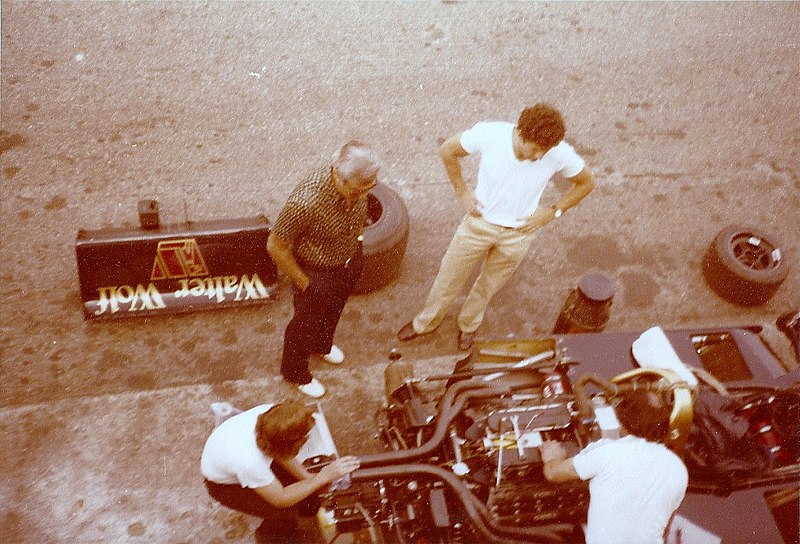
(557, 467)
(452, 153)
(283, 497)
(582, 185)
(281, 254)
(295, 468)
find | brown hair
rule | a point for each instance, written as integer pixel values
(645, 414)
(541, 124)
(282, 430)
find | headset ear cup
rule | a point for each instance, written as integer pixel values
(682, 413)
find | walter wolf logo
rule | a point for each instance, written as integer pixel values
(178, 259)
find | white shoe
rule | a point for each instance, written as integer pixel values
(312, 389)
(335, 356)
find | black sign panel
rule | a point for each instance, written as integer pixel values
(127, 272)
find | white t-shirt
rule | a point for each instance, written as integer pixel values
(634, 487)
(508, 189)
(231, 455)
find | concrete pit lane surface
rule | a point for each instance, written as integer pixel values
(686, 112)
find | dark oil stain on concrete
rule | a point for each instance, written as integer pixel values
(69, 159)
(56, 356)
(226, 391)
(11, 527)
(656, 257)
(266, 328)
(42, 434)
(638, 288)
(595, 251)
(71, 301)
(141, 382)
(229, 338)
(229, 366)
(145, 404)
(56, 203)
(675, 134)
(137, 529)
(351, 314)
(112, 359)
(56, 371)
(585, 151)
(9, 141)
(377, 317)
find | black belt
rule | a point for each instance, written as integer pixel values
(345, 264)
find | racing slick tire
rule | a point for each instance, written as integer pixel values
(745, 266)
(385, 239)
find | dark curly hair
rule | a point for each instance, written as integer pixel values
(645, 414)
(283, 429)
(541, 124)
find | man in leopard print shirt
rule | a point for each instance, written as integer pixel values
(316, 242)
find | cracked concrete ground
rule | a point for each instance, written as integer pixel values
(687, 113)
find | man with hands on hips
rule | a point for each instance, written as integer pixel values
(516, 164)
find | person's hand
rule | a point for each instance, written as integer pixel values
(339, 468)
(537, 219)
(552, 450)
(470, 203)
(303, 282)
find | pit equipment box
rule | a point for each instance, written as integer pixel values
(164, 269)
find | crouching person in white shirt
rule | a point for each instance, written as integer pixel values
(250, 464)
(635, 482)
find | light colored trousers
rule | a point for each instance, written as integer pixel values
(503, 249)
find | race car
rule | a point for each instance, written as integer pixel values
(462, 462)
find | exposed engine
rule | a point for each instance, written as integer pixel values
(464, 464)
(462, 461)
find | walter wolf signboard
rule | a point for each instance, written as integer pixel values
(127, 272)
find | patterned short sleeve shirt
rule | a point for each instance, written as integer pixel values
(319, 224)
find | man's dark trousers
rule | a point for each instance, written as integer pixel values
(316, 313)
(277, 521)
